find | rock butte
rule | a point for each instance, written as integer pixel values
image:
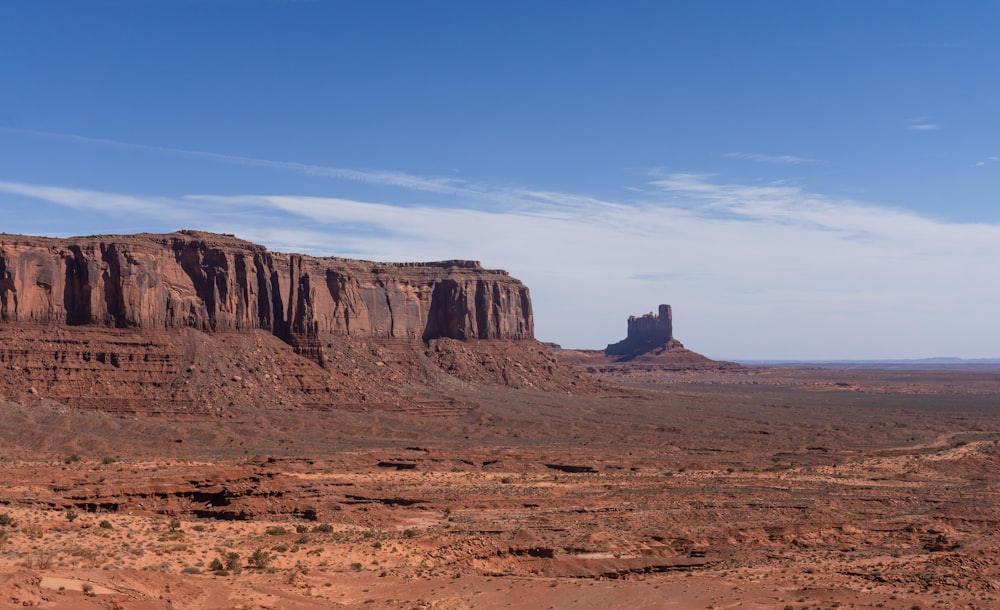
(649, 349)
(645, 333)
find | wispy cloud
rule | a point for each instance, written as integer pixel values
(81, 199)
(449, 186)
(921, 124)
(772, 159)
(753, 270)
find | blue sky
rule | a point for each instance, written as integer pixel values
(798, 179)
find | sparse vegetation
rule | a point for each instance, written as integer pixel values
(232, 562)
(259, 559)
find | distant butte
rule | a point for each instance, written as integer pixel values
(645, 334)
(648, 349)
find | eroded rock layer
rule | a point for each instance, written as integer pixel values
(220, 283)
(196, 323)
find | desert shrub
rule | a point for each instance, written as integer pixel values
(82, 552)
(323, 528)
(42, 560)
(72, 459)
(71, 515)
(34, 532)
(172, 535)
(356, 566)
(7, 521)
(275, 530)
(233, 563)
(190, 570)
(105, 525)
(409, 533)
(216, 565)
(260, 559)
(301, 529)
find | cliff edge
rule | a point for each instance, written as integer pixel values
(193, 321)
(214, 282)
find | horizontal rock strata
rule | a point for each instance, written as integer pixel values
(220, 283)
(197, 323)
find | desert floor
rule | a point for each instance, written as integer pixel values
(775, 488)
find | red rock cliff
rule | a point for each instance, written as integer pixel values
(220, 283)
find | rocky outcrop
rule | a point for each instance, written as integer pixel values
(200, 324)
(219, 283)
(646, 333)
(650, 351)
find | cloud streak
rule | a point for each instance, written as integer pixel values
(451, 187)
(80, 199)
(771, 159)
(921, 124)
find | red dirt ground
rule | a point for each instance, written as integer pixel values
(756, 488)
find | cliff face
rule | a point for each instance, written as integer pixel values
(200, 324)
(220, 283)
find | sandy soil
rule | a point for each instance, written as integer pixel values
(770, 489)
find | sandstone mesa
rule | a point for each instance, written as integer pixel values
(220, 283)
(191, 321)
